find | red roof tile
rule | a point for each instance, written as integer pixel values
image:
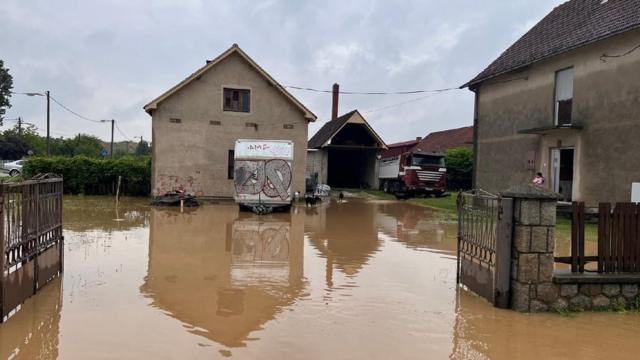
(441, 141)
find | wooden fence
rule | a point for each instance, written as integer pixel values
(618, 238)
(31, 241)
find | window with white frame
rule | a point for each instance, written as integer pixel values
(564, 97)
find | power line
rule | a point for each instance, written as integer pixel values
(399, 104)
(372, 92)
(121, 132)
(605, 56)
(73, 112)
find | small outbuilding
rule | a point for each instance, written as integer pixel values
(343, 152)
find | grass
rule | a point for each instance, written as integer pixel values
(445, 203)
(10, 179)
(563, 230)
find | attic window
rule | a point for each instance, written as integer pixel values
(287, 126)
(236, 100)
(215, 122)
(175, 120)
(564, 97)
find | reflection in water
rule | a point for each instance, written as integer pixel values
(99, 213)
(484, 332)
(222, 273)
(416, 227)
(214, 282)
(346, 234)
(33, 332)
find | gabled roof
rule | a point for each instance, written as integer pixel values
(571, 25)
(403, 143)
(441, 141)
(234, 49)
(332, 127)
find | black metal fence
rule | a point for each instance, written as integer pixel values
(484, 244)
(31, 241)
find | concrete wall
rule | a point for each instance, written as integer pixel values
(194, 152)
(605, 103)
(317, 162)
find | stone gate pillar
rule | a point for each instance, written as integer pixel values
(532, 259)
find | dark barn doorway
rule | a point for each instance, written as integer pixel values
(351, 168)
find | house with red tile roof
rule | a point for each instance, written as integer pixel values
(563, 100)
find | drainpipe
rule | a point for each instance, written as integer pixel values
(475, 138)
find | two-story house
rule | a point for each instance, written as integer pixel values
(564, 100)
(195, 125)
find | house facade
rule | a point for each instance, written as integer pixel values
(564, 100)
(196, 123)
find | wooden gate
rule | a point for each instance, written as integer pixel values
(31, 242)
(484, 245)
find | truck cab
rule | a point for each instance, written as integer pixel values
(414, 173)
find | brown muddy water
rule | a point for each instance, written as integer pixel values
(357, 280)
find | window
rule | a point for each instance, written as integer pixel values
(215, 123)
(230, 163)
(175, 121)
(287, 126)
(237, 100)
(564, 96)
(420, 160)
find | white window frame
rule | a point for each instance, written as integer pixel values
(561, 93)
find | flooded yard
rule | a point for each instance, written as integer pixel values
(358, 280)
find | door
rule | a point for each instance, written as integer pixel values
(555, 170)
(562, 172)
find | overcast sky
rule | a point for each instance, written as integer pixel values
(106, 59)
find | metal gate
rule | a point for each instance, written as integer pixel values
(31, 242)
(484, 245)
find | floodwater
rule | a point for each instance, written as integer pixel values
(357, 280)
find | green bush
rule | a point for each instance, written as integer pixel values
(459, 168)
(83, 175)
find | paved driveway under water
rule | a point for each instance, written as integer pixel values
(357, 280)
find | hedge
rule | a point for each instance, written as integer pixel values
(459, 168)
(83, 175)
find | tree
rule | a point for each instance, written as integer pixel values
(6, 85)
(82, 144)
(143, 148)
(459, 168)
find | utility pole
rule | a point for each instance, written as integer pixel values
(48, 121)
(112, 124)
(20, 127)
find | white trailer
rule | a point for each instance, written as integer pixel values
(263, 172)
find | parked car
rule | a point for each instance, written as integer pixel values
(14, 168)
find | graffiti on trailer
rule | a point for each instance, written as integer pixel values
(271, 177)
(257, 242)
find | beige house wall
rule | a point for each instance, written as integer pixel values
(194, 153)
(606, 103)
(317, 162)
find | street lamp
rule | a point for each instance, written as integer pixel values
(112, 124)
(46, 93)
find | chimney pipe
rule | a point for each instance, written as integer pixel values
(334, 104)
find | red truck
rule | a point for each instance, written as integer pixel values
(406, 171)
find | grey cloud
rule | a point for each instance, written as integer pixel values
(107, 59)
